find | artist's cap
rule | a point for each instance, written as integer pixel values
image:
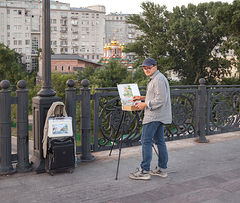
(149, 62)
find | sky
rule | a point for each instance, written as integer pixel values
(132, 6)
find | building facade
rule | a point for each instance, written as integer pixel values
(70, 63)
(73, 30)
(20, 28)
(81, 31)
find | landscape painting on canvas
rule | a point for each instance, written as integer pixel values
(126, 93)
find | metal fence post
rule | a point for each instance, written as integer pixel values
(86, 122)
(70, 103)
(23, 164)
(202, 111)
(5, 129)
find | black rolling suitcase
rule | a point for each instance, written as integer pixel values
(61, 155)
(61, 146)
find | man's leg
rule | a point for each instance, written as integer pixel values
(148, 132)
(162, 148)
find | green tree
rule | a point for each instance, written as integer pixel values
(195, 41)
(11, 66)
(228, 16)
(110, 75)
(187, 40)
(85, 73)
(59, 83)
(153, 41)
(32, 87)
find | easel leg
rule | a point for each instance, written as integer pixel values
(120, 123)
(155, 150)
(120, 147)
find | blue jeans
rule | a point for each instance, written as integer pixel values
(153, 131)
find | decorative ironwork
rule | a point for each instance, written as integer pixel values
(109, 119)
(223, 110)
(184, 115)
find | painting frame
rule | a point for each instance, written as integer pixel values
(60, 127)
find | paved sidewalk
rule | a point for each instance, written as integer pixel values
(208, 173)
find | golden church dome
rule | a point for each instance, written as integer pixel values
(114, 43)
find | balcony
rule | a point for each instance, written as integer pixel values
(63, 30)
(63, 37)
(74, 16)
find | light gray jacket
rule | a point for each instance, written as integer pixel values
(158, 100)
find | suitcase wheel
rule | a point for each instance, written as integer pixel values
(51, 173)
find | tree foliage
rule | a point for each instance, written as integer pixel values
(110, 75)
(59, 81)
(228, 17)
(11, 66)
(153, 41)
(194, 37)
(85, 73)
(187, 40)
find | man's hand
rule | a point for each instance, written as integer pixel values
(138, 98)
(141, 105)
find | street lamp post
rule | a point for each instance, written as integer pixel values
(46, 96)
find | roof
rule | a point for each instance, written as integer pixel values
(82, 9)
(71, 57)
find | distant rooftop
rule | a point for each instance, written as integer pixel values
(70, 57)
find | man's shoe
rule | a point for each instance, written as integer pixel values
(157, 172)
(140, 175)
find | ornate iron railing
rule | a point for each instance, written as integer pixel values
(107, 114)
(223, 108)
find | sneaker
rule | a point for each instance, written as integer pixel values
(158, 172)
(140, 175)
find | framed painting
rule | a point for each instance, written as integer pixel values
(60, 127)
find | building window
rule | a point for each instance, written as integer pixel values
(34, 63)
(55, 67)
(62, 68)
(69, 68)
(53, 21)
(34, 45)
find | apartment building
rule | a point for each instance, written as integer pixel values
(117, 28)
(20, 28)
(73, 30)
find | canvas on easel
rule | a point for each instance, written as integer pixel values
(126, 93)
